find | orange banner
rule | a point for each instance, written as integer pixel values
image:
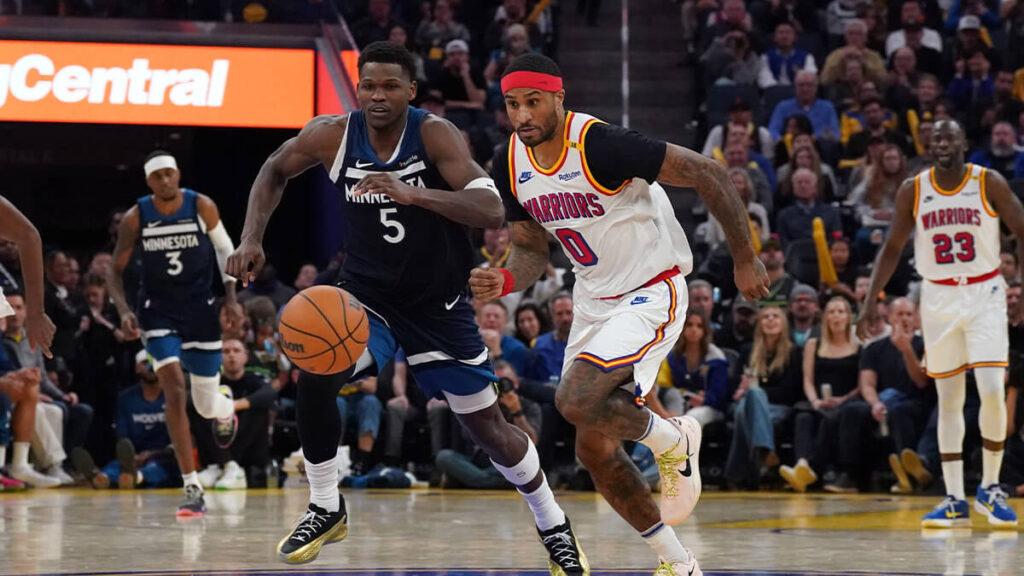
(150, 84)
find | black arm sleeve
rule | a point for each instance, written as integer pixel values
(264, 396)
(514, 211)
(615, 154)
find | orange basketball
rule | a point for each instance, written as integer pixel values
(324, 330)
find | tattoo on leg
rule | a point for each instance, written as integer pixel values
(618, 480)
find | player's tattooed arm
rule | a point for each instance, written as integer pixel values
(317, 143)
(889, 256)
(999, 195)
(527, 261)
(684, 167)
(127, 234)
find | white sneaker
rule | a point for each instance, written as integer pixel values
(209, 475)
(29, 476)
(57, 471)
(233, 478)
(688, 568)
(679, 472)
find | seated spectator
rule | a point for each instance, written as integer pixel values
(1013, 459)
(407, 405)
(699, 370)
(843, 93)
(61, 308)
(145, 456)
(843, 262)
(829, 380)
(435, 33)
(923, 109)
(75, 416)
(511, 13)
(376, 26)
(855, 35)
(874, 200)
(803, 314)
(1009, 267)
(472, 468)
(101, 363)
(1002, 107)
(729, 59)
(903, 77)
(492, 317)
(357, 401)
(780, 63)
(250, 450)
(774, 260)
(461, 87)
(714, 235)
(874, 114)
(515, 43)
(895, 385)
(839, 13)
(912, 17)
(732, 17)
(1002, 156)
(740, 115)
(305, 278)
(263, 349)
(821, 113)
(924, 160)
(806, 156)
(738, 156)
(399, 35)
(973, 82)
(531, 321)
(799, 132)
(495, 250)
(22, 388)
(973, 11)
(852, 121)
(10, 267)
(549, 349)
(702, 298)
(267, 284)
(928, 59)
(770, 386)
(100, 264)
(795, 222)
(800, 14)
(737, 331)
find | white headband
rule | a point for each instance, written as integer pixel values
(159, 163)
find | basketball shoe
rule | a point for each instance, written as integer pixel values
(565, 557)
(688, 568)
(224, 429)
(314, 529)
(126, 459)
(950, 513)
(194, 505)
(679, 472)
(992, 503)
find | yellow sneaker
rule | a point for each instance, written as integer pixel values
(679, 472)
(316, 528)
(688, 568)
(565, 557)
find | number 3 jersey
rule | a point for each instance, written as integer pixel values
(178, 262)
(600, 201)
(398, 252)
(957, 231)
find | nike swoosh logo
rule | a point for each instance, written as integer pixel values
(448, 306)
(363, 164)
(692, 569)
(211, 301)
(152, 224)
(688, 470)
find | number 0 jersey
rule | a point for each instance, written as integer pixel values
(957, 231)
(619, 233)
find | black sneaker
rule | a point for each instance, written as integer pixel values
(194, 505)
(224, 429)
(565, 557)
(126, 458)
(86, 466)
(314, 529)
(843, 484)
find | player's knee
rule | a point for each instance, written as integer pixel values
(568, 405)
(591, 454)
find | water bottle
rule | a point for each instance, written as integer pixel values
(826, 391)
(716, 295)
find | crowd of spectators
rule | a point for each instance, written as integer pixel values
(816, 113)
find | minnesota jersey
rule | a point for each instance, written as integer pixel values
(957, 231)
(617, 239)
(178, 261)
(401, 253)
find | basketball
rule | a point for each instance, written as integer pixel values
(324, 330)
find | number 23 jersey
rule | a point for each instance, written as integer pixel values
(601, 202)
(957, 231)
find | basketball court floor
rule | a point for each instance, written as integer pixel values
(472, 533)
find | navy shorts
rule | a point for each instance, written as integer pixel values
(189, 334)
(441, 341)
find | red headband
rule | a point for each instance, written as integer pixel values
(525, 79)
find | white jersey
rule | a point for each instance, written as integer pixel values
(618, 240)
(957, 233)
(5, 307)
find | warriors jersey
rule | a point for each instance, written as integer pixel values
(600, 201)
(957, 231)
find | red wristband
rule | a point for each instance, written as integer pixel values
(510, 282)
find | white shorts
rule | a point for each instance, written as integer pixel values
(964, 326)
(638, 330)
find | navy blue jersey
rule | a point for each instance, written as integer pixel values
(177, 255)
(401, 253)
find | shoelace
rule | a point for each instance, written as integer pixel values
(563, 548)
(948, 503)
(668, 465)
(308, 525)
(192, 495)
(665, 569)
(997, 497)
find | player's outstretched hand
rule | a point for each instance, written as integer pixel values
(246, 262)
(389, 184)
(868, 318)
(486, 283)
(130, 326)
(752, 280)
(40, 331)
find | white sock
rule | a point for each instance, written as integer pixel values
(991, 462)
(546, 511)
(323, 484)
(208, 400)
(665, 543)
(953, 476)
(191, 479)
(20, 456)
(3, 456)
(660, 436)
